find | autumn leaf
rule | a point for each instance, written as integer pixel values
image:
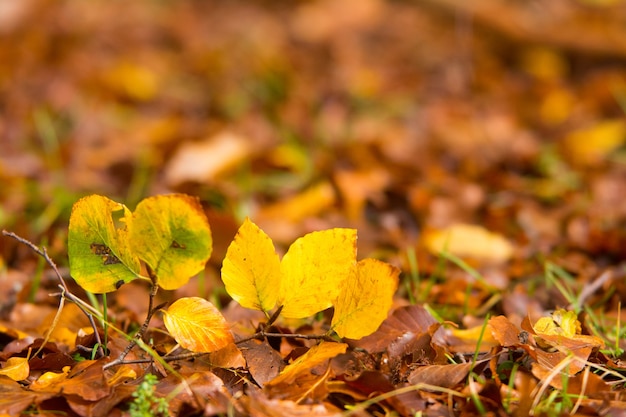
(313, 269)
(100, 256)
(563, 330)
(303, 365)
(365, 299)
(307, 279)
(197, 325)
(16, 368)
(469, 241)
(172, 235)
(251, 269)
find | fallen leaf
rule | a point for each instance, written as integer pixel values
(307, 203)
(365, 299)
(206, 160)
(592, 145)
(303, 365)
(446, 376)
(197, 325)
(469, 241)
(50, 381)
(16, 368)
(264, 363)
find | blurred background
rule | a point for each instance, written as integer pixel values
(394, 117)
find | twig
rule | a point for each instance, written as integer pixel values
(139, 335)
(262, 333)
(65, 292)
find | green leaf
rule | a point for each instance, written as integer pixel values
(171, 234)
(100, 257)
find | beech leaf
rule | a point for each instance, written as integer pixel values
(365, 299)
(197, 325)
(100, 257)
(251, 268)
(313, 269)
(172, 235)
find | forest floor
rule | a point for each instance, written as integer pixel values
(478, 147)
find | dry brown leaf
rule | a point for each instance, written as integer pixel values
(446, 376)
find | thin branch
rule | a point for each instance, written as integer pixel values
(65, 292)
(144, 327)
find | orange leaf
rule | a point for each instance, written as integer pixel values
(197, 325)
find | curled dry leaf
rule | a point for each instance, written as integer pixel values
(197, 325)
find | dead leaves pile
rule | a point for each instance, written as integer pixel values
(488, 169)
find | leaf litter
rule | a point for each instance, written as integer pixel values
(487, 169)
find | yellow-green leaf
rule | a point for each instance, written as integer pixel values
(16, 368)
(251, 268)
(100, 257)
(365, 299)
(303, 365)
(172, 235)
(313, 269)
(197, 325)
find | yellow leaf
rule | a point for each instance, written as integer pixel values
(251, 269)
(365, 299)
(197, 325)
(563, 330)
(561, 322)
(172, 235)
(592, 145)
(16, 368)
(123, 374)
(138, 82)
(313, 269)
(49, 380)
(474, 335)
(469, 241)
(315, 356)
(309, 202)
